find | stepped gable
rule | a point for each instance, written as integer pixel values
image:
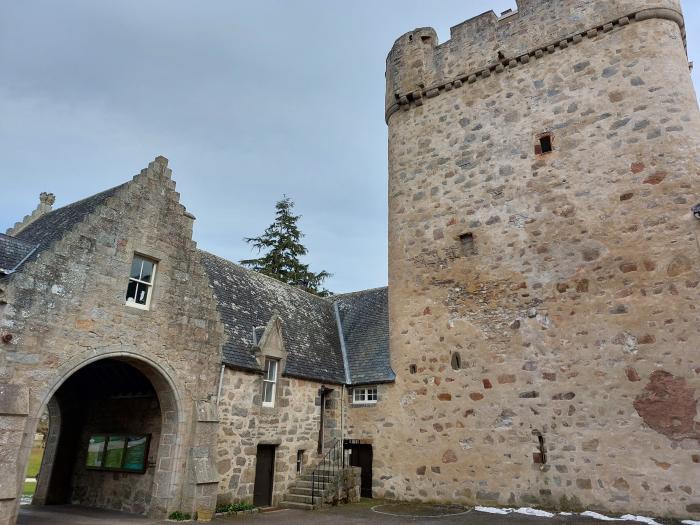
(248, 300)
(12, 253)
(364, 317)
(49, 228)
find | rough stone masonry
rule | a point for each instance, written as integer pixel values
(543, 262)
(538, 344)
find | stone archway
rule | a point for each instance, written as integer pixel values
(162, 477)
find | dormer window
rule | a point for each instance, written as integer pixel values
(141, 278)
(269, 382)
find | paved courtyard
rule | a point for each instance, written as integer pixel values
(366, 512)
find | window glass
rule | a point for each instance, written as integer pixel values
(136, 268)
(147, 271)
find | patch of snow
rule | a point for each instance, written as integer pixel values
(589, 513)
(690, 522)
(534, 512)
(596, 516)
(642, 519)
(493, 510)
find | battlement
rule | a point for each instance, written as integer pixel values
(418, 66)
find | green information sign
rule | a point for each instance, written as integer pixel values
(135, 456)
(114, 455)
(96, 451)
(118, 452)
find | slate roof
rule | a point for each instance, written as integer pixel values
(248, 300)
(364, 317)
(48, 228)
(13, 252)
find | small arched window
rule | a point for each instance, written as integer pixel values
(456, 361)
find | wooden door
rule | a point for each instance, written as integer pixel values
(361, 456)
(264, 475)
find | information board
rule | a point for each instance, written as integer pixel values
(125, 453)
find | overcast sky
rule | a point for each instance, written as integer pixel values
(248, 100)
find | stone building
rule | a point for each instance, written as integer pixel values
(136, 342)
(543, 261)
(540, 312)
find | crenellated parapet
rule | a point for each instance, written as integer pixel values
(417, 67)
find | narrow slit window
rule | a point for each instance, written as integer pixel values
(456, 361)
(539, 456)
(466, 241)
(141, 278)
(412, 369)
(544, 144)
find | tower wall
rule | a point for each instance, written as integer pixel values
(567, 282)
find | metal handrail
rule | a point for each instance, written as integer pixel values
(332, 462)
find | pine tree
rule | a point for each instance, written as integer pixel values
(281, 247)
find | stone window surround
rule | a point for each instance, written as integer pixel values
(140, 249)
(139, 281)
(271, 346)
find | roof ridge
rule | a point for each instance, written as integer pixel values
(272, 279)
(87, 198)
(335, 296)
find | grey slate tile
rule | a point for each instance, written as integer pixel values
(248, 300)
(12, 252)
(364, 317)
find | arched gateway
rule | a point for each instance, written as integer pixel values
(119, 414)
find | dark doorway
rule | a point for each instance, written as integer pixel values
(264, 475)
(361, 456)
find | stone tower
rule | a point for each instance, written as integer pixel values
(544, 269)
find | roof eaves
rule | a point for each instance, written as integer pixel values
(13, 270)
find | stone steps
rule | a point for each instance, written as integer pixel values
(300, 506)
(299, 494)
(298, 498)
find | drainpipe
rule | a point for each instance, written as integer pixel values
(221, 382)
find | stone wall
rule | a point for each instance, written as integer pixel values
(292, 425)
(67, 308)
(566, 281)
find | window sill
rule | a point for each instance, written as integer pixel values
(133, 310)
(269, 411)
(363, 405)
(137, 306)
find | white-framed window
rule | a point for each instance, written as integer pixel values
(141, 278)
(270, 382)
(364, 395)
(300, 461)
